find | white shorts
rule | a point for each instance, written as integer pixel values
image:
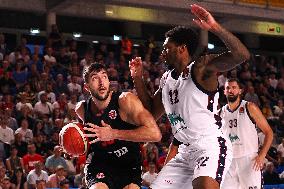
(211, 157)
(242, 175)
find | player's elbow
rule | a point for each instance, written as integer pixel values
(156, 136)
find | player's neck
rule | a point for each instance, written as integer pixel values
(234, 105)
(99, 105)
(181, 65)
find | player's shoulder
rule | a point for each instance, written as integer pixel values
(126, 97)
(251, 106)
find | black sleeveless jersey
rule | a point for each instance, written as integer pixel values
(116, 153)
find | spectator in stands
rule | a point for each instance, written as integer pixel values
(272, 80)
(72, 102)
(78, 180)
(40, 144)
(20, 145)
(73, 86)
(88, 58)
(43, 106)
(15, 55)
(278, 109)
(152, 157)
(27, 134)
(50, 94)
(3, 46)
(2, 173)
(64, 184)
(30, 95)
(61, 104)
(149, 176)
(245, 74)
(36, 62)
(251, 96)
(55, 178)
(4, 151)
(60, 85)
(270, 176)
(6, 183)
(26, 113)
(5, 67)
(71, 170)
(23, 101)
(19, 75)
(14, 161)
(7, 84)
(36, 174)
(32, 158)
(49, 59)
(38, 127)
(55, 160)
(19, 179)
(52, 142)
(266, 109)
(273, 156)
(40, 184)
(55, 38)
(126, 47)
(280, 148)
(280, 85)
(6, 133)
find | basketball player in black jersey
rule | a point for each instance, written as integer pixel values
(116, 122)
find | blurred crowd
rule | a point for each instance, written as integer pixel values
(39, 91)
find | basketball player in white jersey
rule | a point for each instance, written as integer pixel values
(240, 119)
(188, 95)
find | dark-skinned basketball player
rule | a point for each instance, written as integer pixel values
(188, 95)
(116, 122)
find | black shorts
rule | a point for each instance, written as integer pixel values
(114, 178)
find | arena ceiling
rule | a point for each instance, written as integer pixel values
(108, 17)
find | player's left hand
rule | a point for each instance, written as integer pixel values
(258, 162)
(104, 133)
(203, 18)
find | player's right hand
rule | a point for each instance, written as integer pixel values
(136, 67)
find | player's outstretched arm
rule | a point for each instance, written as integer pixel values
(237, 53)
(152, 104)
(262, 123)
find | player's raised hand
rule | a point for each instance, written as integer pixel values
(203, 18)
(258, 163)
(104, 133)
(136, 67)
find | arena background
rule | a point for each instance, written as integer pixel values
(112, 32)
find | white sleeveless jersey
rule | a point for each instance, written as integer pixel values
(240, 129)
(189, 108)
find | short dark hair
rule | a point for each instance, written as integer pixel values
(94, 67)
(64, 181)
(182, 35)
(235, 80)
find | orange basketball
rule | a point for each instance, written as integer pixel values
(72, 139)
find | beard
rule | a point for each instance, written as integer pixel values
(232, 98)
(99, 97)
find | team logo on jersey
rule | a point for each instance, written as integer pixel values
(175, 118)
(112, 114)
(233, 138)
(242, 110)
(100, 176)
